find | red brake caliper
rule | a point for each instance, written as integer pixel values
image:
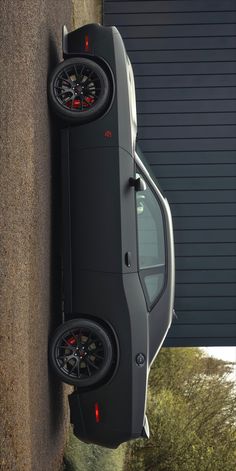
(89, 101)
(77, 103)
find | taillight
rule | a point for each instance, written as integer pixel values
(97, 412)
(86, 43)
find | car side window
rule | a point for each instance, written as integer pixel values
(151, 242)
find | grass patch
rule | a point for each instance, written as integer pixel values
(80, 456)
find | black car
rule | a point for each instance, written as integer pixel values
(118, 250)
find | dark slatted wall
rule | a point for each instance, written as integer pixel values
(184, 58)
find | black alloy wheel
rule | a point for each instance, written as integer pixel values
(79, 90)
(81, 352)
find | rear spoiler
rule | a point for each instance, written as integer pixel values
(64, 40)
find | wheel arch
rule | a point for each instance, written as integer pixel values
(111, 331)
(106, 68)
(111, 334)
(66, 115)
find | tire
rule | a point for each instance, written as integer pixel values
(79, 90)
(81, 353)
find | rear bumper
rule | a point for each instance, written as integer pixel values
(91, 431)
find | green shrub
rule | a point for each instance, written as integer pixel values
(80, 457)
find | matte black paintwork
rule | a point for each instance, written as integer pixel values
(122, 411)
(99, 224)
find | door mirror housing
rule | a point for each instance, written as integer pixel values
(138, 183)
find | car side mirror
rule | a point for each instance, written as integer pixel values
(138, 183)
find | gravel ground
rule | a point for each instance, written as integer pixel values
(86, 11)
(33, 405)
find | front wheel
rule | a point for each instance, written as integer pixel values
(79, 90)
(81, 352)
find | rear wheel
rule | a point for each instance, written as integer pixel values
(81, 352)
(79, 90)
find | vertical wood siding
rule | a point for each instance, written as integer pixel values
(184, 58)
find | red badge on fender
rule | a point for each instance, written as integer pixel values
(108, 133)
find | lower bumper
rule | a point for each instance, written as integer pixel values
(88, 430)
